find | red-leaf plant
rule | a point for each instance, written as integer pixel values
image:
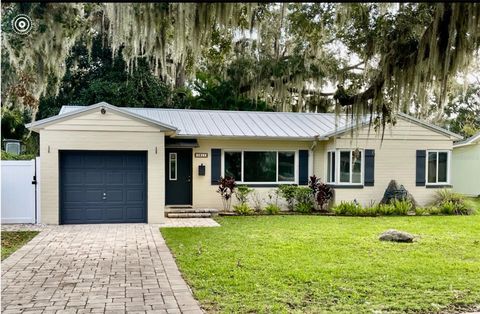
(322, 193)
(226, 190)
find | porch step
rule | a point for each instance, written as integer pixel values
(188, 212)
(189, 215)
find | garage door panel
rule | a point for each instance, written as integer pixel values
(114, 195)
(134, 178)
(74, 177)
(115, 161)
(73, 195)
(94, 214)
(93, 161)
(72, 162)
(103, 187)
(115, 178)
(93, 195)
(134, 212)
(93, 177)
(135, 195)
(72, 214)
(114, 213)
(134, 162)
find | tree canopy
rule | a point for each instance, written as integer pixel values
(362, 57)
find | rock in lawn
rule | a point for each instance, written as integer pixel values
(396, 236)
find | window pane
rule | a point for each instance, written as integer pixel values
(233, 165)
(432, 167)
(286, 166)
(442, 167)
(357, 168)
(345, 167)
(173, 166)
(260, 166)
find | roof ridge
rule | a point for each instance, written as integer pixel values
(216, 110)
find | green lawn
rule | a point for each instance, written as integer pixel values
(13, 240)
(322, 264)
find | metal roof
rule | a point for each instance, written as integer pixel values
(469, 141)
(194, 123)
(256, 124)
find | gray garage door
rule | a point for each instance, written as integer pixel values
(102, 187)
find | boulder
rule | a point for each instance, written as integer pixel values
(396, 236)
(396, 191)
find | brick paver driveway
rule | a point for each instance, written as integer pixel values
(111, 268)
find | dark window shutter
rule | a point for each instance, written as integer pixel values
(334, 166)
(303, 167)
(216, 165)
(420, 172)
(369, 176)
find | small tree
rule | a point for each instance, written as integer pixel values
(322, 193)
(242, 193)
(287, 191)
(226, 189)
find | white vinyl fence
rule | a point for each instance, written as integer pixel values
(20, 191)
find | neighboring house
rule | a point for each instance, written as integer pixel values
(106, 164)
(466, 166)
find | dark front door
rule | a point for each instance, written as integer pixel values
(103, 187)
(178, 178)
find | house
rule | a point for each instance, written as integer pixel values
(466, 166)
(102, 163)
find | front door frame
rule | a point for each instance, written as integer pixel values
(189, 167)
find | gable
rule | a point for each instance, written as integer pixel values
(96, 121)
(404, 129)
(101, 117)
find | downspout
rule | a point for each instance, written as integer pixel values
(312, 150)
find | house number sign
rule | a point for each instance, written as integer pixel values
(201, 155)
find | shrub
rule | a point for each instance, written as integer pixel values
(347, 208)
(368, 211)
(355, 209)
(421, 211)
(322, 193)
(272, 209)
(402, 207)
(257, 201)
(386, 209)
(447, 207)
(287, 191)
(433, 210)
(242, 193)
(451, 203)
(242, 209)
(303, 199)
(7, 156)
(303, 207)
(226, 188)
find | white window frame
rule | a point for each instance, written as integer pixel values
(295, 162)
(449, 158)
(170, 166)
(331, 170)
(337, 166)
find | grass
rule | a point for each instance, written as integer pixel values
(314, 264)
(13, 240)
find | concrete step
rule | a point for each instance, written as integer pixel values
(190, 210)
(188, 215)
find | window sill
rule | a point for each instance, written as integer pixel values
(346, 186)
(438, 186)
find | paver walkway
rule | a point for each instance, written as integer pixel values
(189, 222)
(114, 268)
